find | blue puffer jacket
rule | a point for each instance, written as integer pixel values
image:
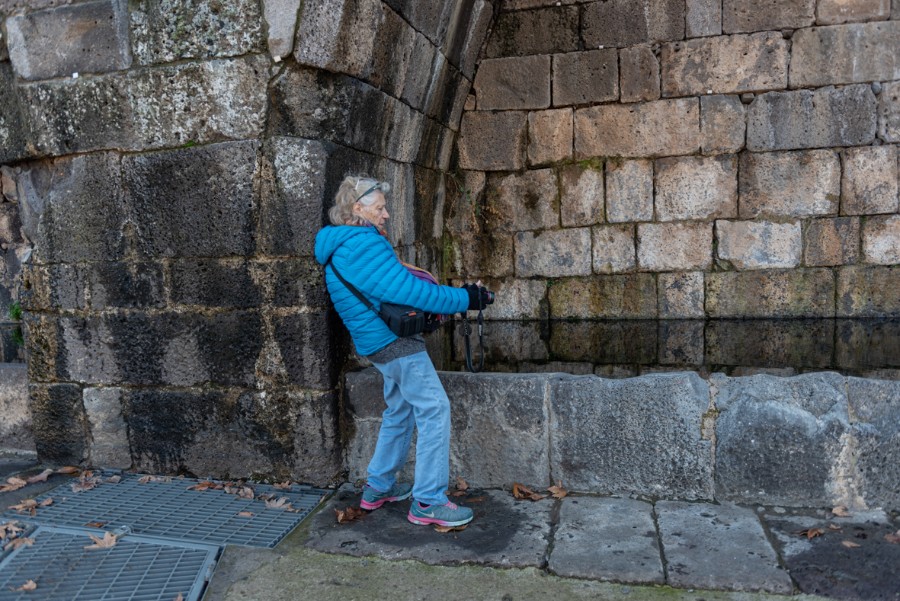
(365, 259)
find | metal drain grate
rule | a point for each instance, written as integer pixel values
(137, 568)
(167, 509)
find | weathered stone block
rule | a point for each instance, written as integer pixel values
(431, 18)
(889, 112)
(725, 65)
(868, 291)
(482, 254)
(629, 191)
(523, 202)
(674, 246)
(518, 299)
(790, 293)
(613, 248)
(621, 23)
(831, 241)
(550, 136)
(874, 411)
(696, 187)
(42, 339)
(659, 128)
(395, 40)
(553, 253)
(328, 35)
(108, 434)
(90, 37)
(513, 83)
(304, 344)
(15, 429)
(770, 344)
(15, 129)
(640, 74)
(541, 31)
(292, 282)
(789, 183)
(631, 296)
(881, 240)
(616, 341)
(870, 181)
(281, 22)
(492, 141)
(759, 244)
(723, 124)
(213, 283)
(597, 445)
(681, 295)
(831, 12)
(704, 18)
(581, 195)
(52, 405)
(585, 77)
(759, 15)
(170, 30)
(681, 343)
(176, 194)
(120, 284)
(476, 33)
(778, 440)
(824, 117)
(845, 54)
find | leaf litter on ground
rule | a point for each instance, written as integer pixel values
(811, 533)
(29, 585)
(22, 541)
(893, 538)
(444, 529)
(348, 514)
(521, 492)
(558, 491)
(109, 540)
(841, 511)
(12, 484)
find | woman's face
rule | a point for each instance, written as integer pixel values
(375, 213)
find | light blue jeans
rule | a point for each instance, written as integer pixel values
(415, 398)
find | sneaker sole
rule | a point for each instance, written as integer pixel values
(422, 521)
(372, 506)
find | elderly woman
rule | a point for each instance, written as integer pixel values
(362, 255)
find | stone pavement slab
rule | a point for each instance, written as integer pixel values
(504, 533)
(718, 547)
(607, 539)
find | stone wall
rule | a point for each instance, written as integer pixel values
(166, 166)
(683, 159)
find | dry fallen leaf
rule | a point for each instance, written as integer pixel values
(68, 469)
(205, 485)
(834, 527)
(149, 478)
(522, 492)
(29, 585)
(18, 542)
(9, 530)
(841, 511)
(46, 502)
(12, 484)
(286, 485)
(348, 515)
(849, 544)
(475, 500)
(114, 479)
(811, 533)
(450, 528)
(29, 505)
(109, 540)
(280, 503)
(461, 484)
(893, 538)
(95, 525)
(558, 491)
(178, 598)
(42, 477)
(245, 514)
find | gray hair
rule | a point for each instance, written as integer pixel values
(352, 189)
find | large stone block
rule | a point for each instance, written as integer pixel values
(513, 83)
(630, 296)
(293, 282)
(213, 283)
(636, 436)
(431, 18)
(875, 412)
(843, 54)
(170, 30)
(281, 23)
(613, 248)
(725, 65)
(15, 128)
(674, 246)
(518, 299)
(610, 343)
(304, 342)
(196, 202)
(819, 118)
(477, 254)
(585, 77)
(681, 295)
(89, 37)
(418, 73)
(52, 405)
(790, 293)
(696, 188)
(789, 183)
(621, 23)
(108, 441)
(529, 201)
(792, 344)
(541, 31)
(120, 284)
(328, 35)
(640, 74)
(889, 112)
(395, 40)
(881, 240)
(659, 128)
(550, 136)
(15, 429)
(868, 291)
(629, 191)
(704, 18)
(779, 440)
(492, 141)
(464, 46)
(759, 244)
(43, 344)
(870, 181)
(553, 253)
(831, 12)
(723, 124)
(581, 195)
(831, 241)
(759, 15)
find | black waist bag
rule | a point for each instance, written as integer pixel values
(402, 320)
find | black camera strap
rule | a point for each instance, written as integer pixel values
(351, 287)
(466, 331)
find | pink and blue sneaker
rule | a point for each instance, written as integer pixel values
(372, 498)
(449, 514)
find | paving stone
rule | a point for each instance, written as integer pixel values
(790, 184)
(870, 181)
(723, 124)
(868, 291)
(613, 248)
(674, 246)
(522, 202)
(658, 128)
(581, 195)
(820, 118)
(873, 407)
(777, 293)
(539, 31)
(718, 547)
(492, 141)
(889, 112)
(831, 12)
(696, 187)
(513, 83)
(867, 54)
(627, 296)
(281, 23)
(550, 136)
(881, 240)
(621, 23)
(504, 533)
(725, 65)
(629, 190)
(90, 37)
(758, 15)
(831, 241)
(585, 77)
(704, 18)
(759, 244)
(640, 74)
(606, 539)
(681, 295)
(553, 253)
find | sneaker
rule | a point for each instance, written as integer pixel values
(449, 514)
(373, 498)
